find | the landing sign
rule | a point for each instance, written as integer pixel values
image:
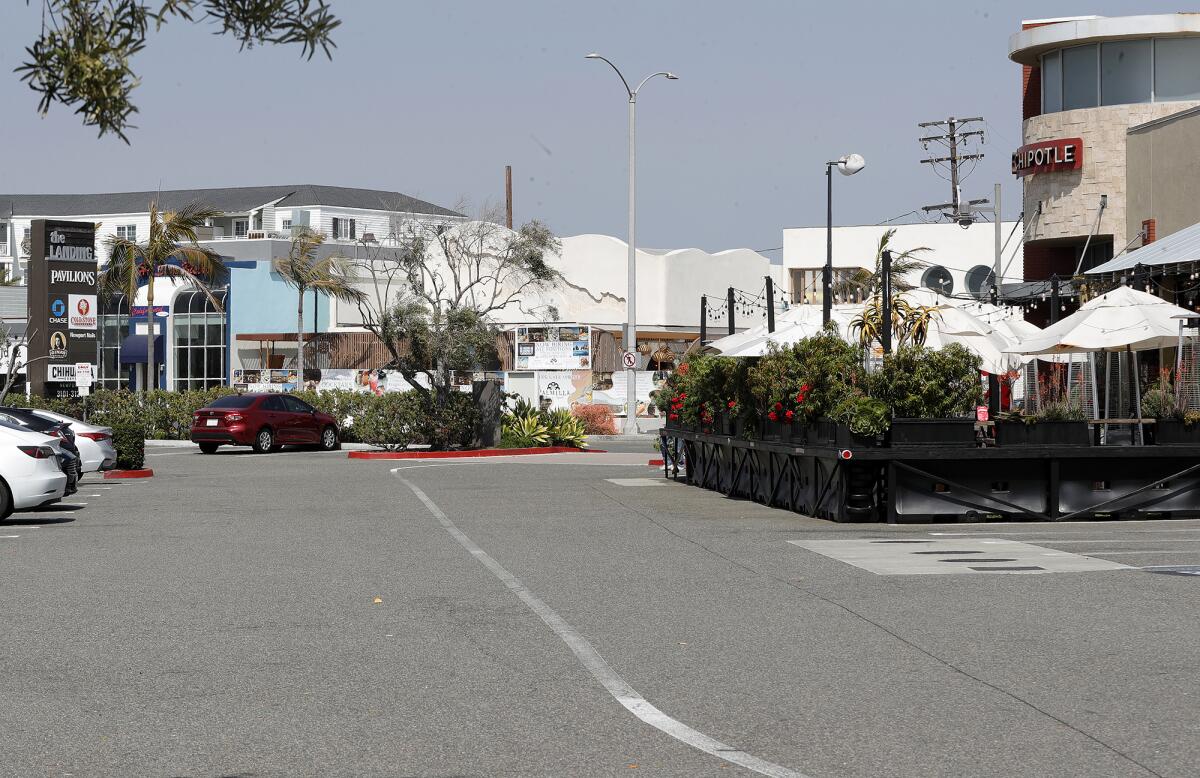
(62, 304)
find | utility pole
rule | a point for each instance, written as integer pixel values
(954, 138)
(729, 304)
(770, 305)
(508, 196)
(703, 319)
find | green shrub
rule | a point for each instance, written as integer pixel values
(918, 382)
(130, 441)
(809, 378)
(863, 415)
(527, 431)
(564, 429)
(391, 421)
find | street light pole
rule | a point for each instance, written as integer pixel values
(630, 339)
(847, 166)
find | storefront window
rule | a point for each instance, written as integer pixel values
(1125, 72)
(1080, 80)
(1051, 83)
(1177, 69)
(198, 337)
(114, 326)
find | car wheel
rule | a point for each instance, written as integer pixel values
(208, 448)
(6, 501)
(329, 439)
(264, 441)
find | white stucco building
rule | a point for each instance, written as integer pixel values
(960, 261)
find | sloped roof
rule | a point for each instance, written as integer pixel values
(1182, 246)
(227, 200)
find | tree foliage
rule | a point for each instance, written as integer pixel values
(431, 293)
(303, 271)
(82, 57)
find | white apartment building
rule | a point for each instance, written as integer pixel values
(342, 214)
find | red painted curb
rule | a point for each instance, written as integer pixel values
(483, 452)
(656, 463)
(147, 473)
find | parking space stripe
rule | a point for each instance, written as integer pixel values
(595, 664)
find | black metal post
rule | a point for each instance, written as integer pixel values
(703, 319)
(1054, 301)
(729, 306)
(770, 305)
(827, 273)
(885, 283)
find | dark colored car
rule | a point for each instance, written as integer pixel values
(70, 461)
(265, 422)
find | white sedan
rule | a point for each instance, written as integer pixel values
(30, 473)
(96, 448)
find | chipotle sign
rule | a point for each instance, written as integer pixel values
(1048, 156)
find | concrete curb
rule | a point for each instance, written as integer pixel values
(116, 474)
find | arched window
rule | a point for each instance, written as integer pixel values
(199, 339)
(114, 324)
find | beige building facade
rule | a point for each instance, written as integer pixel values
(1105, 135)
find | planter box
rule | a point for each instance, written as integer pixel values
(934, 432)
(1043, 433)
(831, 434)
(1173, 432)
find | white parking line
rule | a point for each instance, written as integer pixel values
(10, 536)
(587, 655)
(1115, 553)
(1123, 540)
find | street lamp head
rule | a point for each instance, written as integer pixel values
(593, 55)
(672, 77)
(851, 164)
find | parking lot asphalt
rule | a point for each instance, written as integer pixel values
(301, 614)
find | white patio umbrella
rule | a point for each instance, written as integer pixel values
(1121, 320)
(757, 336)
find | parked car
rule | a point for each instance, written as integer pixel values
(22, 420)
(96, 447)
(265, 422)
(31, 472)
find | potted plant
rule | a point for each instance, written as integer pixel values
(932, 395)
(1060, 423)
(863, 422)
(1159, 403)
(1179, 431)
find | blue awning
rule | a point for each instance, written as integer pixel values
(133, 350)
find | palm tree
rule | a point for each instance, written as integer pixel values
(172, 238)
(302, 271)
(867, 283)
(909, 323)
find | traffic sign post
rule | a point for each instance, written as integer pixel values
(629, 359)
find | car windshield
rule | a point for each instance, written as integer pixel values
(233, 401)
(30, 420)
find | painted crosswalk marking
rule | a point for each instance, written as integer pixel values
(988, 556)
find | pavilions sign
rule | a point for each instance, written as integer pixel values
(1048, 156)
(62, 304)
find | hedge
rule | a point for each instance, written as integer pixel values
(130, 442)
(392, 420)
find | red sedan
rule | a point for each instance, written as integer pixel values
(265, 422)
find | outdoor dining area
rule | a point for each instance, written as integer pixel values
(1097, 416)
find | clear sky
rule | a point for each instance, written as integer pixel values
(434, 99)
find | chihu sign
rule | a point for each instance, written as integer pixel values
(62, 304)
(1048, 156)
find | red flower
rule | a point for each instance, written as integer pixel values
(779, 406)
(673, 416)
(733, 403)
(800, 397)
(804, 388)
(789, 415)
(772, 416)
